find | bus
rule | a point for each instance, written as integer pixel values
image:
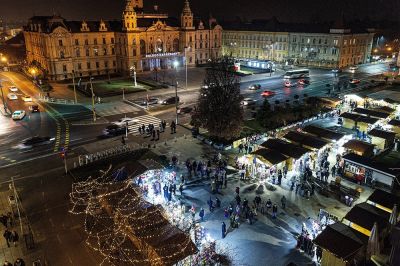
(297, 73)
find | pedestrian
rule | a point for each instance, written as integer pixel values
(172, 127)
(213, 186)
(319, 253)
(181, 188)
(123, 140)
(279, 177)
(210, 204)
(174, 188)
(15, 238)
(201, 214)
(230, 210)
(223, 229)
(237, 190)
(140, 130)
(3, 220)
(7, 263)
(19, 262)
(7, 236)
(240, 148)
(154, 134)
(274, 211)
(225, 182)
(283, 201)
(226, 213)
(268, 204)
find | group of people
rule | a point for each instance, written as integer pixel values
(151, 131)
(11, 237)
(18, 262)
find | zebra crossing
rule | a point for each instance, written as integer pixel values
(146, 120)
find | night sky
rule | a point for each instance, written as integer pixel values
(284, 10)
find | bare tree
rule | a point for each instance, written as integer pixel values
(219, 105)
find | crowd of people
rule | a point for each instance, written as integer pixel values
(10, 236)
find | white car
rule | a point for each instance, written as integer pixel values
(125, 120)
(248, 101)
(26, 98)
(18, 115)
(13, 89)
(12, 96)
(353, 68)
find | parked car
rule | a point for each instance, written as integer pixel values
(354, 81)
(170, 100)
(185, 110)
(34, 142)
(353, 68)
(248, 101)
(267, 93)
(304, 82)
(289, 84)
(150, 101)
(26, 98)
(255, 87)
(13, 89)
(126, 120)
(114, 130)
(18, 115)
(12, 96)
(34, 108)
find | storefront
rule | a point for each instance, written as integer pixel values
(161, 61)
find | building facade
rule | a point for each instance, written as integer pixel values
(141, 41)
(307, 45)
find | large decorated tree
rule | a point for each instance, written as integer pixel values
(219, 105)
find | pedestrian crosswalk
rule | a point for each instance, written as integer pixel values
(106, 109)
(146, 120)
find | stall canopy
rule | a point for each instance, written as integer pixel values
(271, 156)
(323, 133)
(371, 113)
(286, 148)
(360, 147)
(385, 109)
(342, 241)
(370, 164)
(383, 134)
(383, 200)
(364, 215)
(305, 140)
(394, 122)
(359, 118)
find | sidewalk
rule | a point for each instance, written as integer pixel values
(12, 253)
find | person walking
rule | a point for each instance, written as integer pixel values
(274, 211)
(181, 188)
(223, 225)
(268, 204)
(283, 201)
(19, 262)
(15, 238)
(201, 214)
(7, 236)
(123, 140)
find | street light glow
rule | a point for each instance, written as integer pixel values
(176, 64)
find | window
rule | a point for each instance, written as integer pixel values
(104, 41)
(79, 66)
(105, 51)
(78, 52)
(294, 39)
(308, 40)
(313, 41)
(175, 45)
(60, 42)
(319, 41)
(345, 42)
(97, 64)
(142, 47)
(326, 41)
(96, 52)
(62, 54)
(64, 68)
(114, 63)
(87, 52)
(86, 42)
(134, 52)
(88, 65)
(335, 42)
(112, 40)
(95, 41)
(76, 42)
(190, 38)
(106, 64)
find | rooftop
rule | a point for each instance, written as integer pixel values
(286, 148)
(365, 215)
(341, 240)
(359, 146)
(394, 122)
(323, 132)
(369, 112)
(370, 163)
(385, 199)
(383, 134)
(305, 140)
(359, 118)
(272, 156)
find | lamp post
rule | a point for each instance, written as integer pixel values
(73, 81)
(186, 68)
(2, 97)
(93, 108)
(133, 69)
(176, 63)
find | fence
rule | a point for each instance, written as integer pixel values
(47, 99)
(94, 157)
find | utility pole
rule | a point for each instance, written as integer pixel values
(93, 108)
(186, 69)
(73, 81)
(17, 204)
(2, 97)
(176, 100)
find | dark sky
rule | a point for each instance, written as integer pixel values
(284, 10)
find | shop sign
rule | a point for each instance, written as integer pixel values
(162, 55)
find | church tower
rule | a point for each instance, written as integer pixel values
(129, 15)
(187, 17)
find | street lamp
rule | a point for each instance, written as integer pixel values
(186, 68)
(73, 82)
(93, 109)
(133, 69)
(176, 64)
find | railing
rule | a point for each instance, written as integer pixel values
(47, 99)
(94, 157)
